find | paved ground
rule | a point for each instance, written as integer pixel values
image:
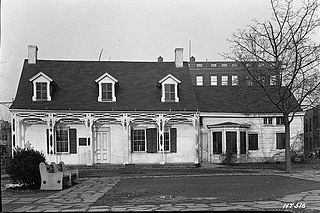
(82, 197)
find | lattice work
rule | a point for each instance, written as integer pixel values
(32, 115)
(34, 121)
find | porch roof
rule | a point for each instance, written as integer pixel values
(229, 124)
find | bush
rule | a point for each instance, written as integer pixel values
(24, 167)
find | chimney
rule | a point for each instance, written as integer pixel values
(32, 54)
(178, 57)
(160, 59)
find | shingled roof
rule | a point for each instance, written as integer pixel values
(75, 87)
(236, 99)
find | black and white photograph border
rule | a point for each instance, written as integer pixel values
(160, 105)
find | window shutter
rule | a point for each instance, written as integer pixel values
(173, 140)
(48, 141)
(243, 143)
(131, 140)
(152, 140)
(73, 141)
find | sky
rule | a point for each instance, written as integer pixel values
(126, 30)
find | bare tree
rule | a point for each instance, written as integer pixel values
(282, 59)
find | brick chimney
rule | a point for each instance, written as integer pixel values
(160, 59)
(178, 57)
(32, 54)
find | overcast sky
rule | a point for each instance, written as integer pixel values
(127, 30)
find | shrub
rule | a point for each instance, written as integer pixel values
(24, 167)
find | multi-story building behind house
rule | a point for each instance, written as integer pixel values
(312, 130)
(5, 138)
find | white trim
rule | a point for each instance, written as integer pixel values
(169, 76)
(106, 75)
(38, 75)
(241, 115)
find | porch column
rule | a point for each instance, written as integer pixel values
(161, 124)
(13, 132)
(125, 127)
(238, 141)
(195, 122)
(18, 133)
(224, 142)
(51, 123)
(89, 124)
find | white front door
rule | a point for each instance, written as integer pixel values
(102, 146)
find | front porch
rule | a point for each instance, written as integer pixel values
(113, 138)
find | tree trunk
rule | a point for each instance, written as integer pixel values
(287, 144)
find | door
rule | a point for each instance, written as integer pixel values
(102, 146)
(231, 142)
(204, 147)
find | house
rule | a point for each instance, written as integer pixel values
(312, 130)
(117, 112)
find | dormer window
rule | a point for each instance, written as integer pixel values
(41, 91)
(107, 91)
(41, 87)
(169, 92)
(169, 88)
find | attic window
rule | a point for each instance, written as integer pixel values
(41, 87)
(169, 88)
(41, 90)
(169, 92)
(107, 91)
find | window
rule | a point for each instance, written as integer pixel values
(106, 91)
(214, 80)
(306, 126)
(273, 79)
(224, 80)
(139, 140)
(280, 120)
(253, 141)
(169, 93)
(199, 80)
(267, 120)
(199, 65)
(66, 140)
(217, 142)
(281, 140)
(224, 65)
(62, 140)
(234, 80)
(41, 90)
(213, 65)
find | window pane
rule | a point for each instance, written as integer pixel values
(214, 80)
(234, 80)
(224, 81)
(62, 140)
(253, 141)
(166, 141)
(169, 92)
(281, 140)
(199, 80)
(106, 91)
(41, 90)
(138, 140)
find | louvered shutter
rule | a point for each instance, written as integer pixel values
(173, 140)
(48, 141)
(152, 140)
(243, 148)
(131, 140)
(73, 141)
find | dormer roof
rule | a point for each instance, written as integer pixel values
(40, 74)
(171, 77)
(106, 75)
